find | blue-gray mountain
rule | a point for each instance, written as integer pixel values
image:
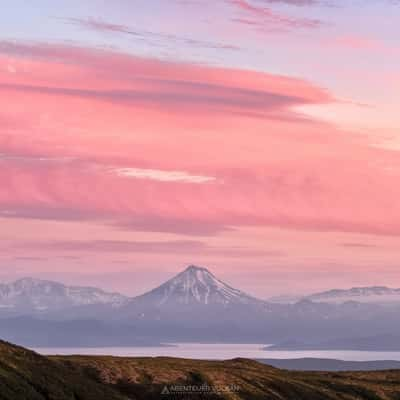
(369, 294)
(30, 295)
(372, 294)
(192, 306)
(193, 286)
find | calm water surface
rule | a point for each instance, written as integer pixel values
(219, 352)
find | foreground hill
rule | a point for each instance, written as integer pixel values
(26, 375)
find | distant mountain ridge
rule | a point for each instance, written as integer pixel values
(362, 294)
(28, 294)
(367, 294)
(193, 286)
(381, 342)
(194, 306)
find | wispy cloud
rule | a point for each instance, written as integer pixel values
(154, 247)
(212, 98)
(161, 175)
(290, 2)
(151, 38)
(27, 258)
(120, 246)
(261, 16)
(359, 245)
(164, 85)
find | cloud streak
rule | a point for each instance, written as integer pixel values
(159, 84)
(262, 17)
(150, 38)
(126, 247)
(162, 176)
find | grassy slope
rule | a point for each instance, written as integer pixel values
(144, 378)
(27, 376)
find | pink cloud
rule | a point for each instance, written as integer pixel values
(78, 114)
(265, 18)
(68, 71)
(136, 247)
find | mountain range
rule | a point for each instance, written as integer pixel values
(193, 286)
(372, 294)
(366, 294)
(192, 306)
(35, 295)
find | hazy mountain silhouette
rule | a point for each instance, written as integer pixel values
(194, 305)
(30, 295)
(195, 285)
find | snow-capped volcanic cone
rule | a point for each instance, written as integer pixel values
(195, 286)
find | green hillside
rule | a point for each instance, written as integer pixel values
(25, 375)
(29, 376)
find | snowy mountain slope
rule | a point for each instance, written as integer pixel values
(372, 294)
(41, 295)
(197, 286)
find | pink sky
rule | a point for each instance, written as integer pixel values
(121, 162)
